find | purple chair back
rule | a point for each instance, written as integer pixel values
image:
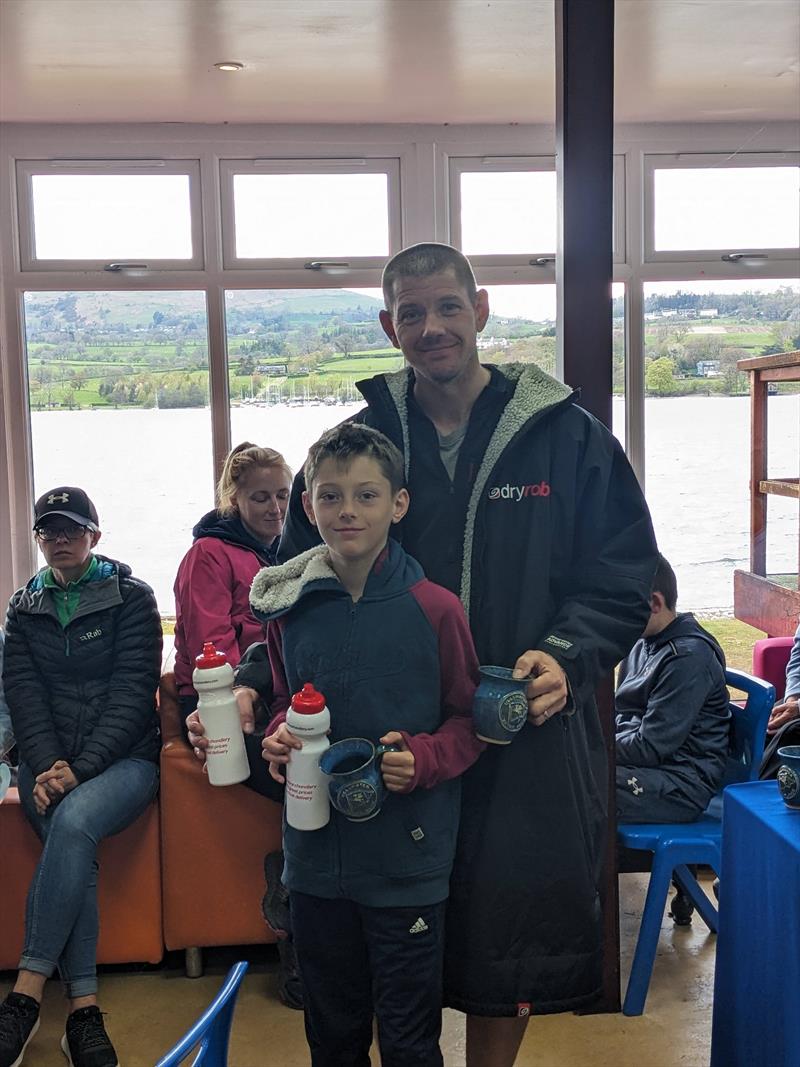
(770, 656)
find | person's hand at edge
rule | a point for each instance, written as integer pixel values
(246, 700)
(782, 713)
(547, 691)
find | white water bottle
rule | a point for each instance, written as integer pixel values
(226, 757)
(307, 803)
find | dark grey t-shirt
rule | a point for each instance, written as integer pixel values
(449, 447)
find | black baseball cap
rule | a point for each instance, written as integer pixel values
(68, 501)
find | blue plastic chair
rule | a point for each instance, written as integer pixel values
(675, 845)
(212, 1030)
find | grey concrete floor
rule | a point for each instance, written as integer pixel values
(148, 1011)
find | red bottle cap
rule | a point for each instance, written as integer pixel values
(308, 701)
(210, 657)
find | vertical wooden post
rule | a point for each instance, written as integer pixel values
(584, 263)
(584, 168)
(758, 471)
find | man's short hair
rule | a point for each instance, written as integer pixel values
(344, 443)
(664, 582)
(422, 260)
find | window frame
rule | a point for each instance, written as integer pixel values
(653, 161)
(542, 260)
(28, 169)
(229, 168)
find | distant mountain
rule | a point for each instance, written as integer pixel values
(137, 309)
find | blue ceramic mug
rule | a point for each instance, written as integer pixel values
(500, 707)
(789, 775)
(356, 787)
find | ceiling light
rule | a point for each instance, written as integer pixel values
(229, 65)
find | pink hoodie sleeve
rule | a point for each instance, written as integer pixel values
(453, 748)
(204, 604)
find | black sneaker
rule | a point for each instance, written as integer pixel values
(290, 988)
(86, 1043)
(19, 1021)
(275, 904)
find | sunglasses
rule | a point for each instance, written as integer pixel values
(71, 531)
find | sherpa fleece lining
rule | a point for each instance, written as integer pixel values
(276, 589)
(535, 391)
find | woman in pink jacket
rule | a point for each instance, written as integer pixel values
(212, 603)
(232, 543)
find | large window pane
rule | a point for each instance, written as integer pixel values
(294, 357)
(280, 216)
(111, 216)
(506, 212)
(697, 429)
(118, 386)
(521, 326)
(726, 207)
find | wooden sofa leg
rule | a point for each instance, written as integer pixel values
(194, 963)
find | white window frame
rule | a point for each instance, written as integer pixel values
(540, 259)
(310, 261)
(703, 161)
(27, 169)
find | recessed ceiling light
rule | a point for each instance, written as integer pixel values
(229, 65)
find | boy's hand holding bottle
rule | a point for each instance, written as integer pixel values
(276, 749)
(397, 768)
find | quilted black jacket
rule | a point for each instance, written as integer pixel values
(84, 693)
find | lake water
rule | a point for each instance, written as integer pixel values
(149, 473)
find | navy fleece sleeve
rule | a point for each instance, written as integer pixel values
(675, 701)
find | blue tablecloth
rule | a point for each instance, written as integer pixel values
(757, 979)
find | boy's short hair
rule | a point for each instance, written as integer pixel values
(344, 443)
(664, 582)
(422, 260)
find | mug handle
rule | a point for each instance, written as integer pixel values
(381, 750)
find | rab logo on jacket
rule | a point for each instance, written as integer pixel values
(518, 492)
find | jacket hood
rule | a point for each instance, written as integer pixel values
(685, 625)
(534, 394)
(230, 528)
(276, 590)
(106, 569)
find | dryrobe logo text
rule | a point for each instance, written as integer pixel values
(518, 492)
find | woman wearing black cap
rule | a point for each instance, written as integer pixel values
(82, 662)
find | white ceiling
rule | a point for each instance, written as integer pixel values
(378, 61)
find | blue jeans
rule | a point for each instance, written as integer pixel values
(61, 923)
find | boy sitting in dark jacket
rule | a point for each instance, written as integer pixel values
(672, 721)
(393, 655)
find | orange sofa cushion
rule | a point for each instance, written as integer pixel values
(129, 887)
(214, 839)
